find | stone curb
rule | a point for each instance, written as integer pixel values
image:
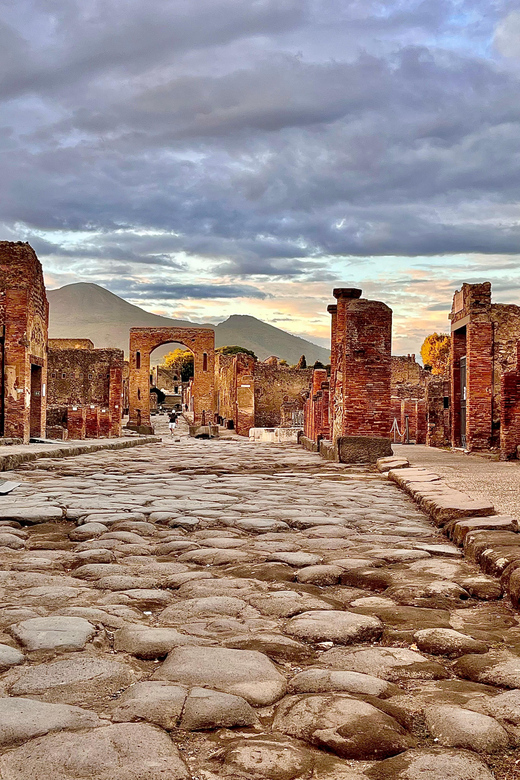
(10, 462)
(491, 540)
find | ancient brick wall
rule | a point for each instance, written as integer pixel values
(317, 407)
(291, 412)
(251, 394)
(71, 344)
(81, 377)
(406, 369)
(510, 411)
(86, 378)
(362, 392)
(245, 419)
(438, 429)
(24, 316)
(272, 384)
(225, 387)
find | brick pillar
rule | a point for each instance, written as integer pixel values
(364, 368)
(76, 422)
(325, 414)
(480, 384)
(92, 422)
(17, 368)
(421, 421)
(307, 414)
(105, 423)
(115, 400)
(510, 411)
(344, 297)
(333, 311)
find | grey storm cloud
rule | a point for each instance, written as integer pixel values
(263, 136)
(180, 291)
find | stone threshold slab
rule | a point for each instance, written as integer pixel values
(12, 457)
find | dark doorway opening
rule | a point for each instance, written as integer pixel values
(463, 400)
(36, 401)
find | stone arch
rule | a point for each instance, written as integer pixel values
(143, 341)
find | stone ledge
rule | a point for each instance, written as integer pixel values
(309, 444)
(328, 450)
(492, 541)
(393, 462)
(9, 462)
(442, 503)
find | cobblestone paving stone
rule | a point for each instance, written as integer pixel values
(221, 609)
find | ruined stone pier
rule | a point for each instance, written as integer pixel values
(194, 610)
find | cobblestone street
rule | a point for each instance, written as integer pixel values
(219, 609)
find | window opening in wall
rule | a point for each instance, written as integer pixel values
(63, 375)
(446, 402)
(204, 361)
(138, 360)
(90, 376)
(53, 375)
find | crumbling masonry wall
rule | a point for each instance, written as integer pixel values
(273, 386)
(438, 424)
(90, 379)
(24, 318)
(251, 394)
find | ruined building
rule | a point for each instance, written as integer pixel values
(251, 394)
(408, 386)
(484, 384)
(85, 389)
(24, 318)
(348, 416)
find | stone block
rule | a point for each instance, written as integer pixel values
(328, 450)
(458, 529)
(309, 444)
(57, 432)
(362, 449)
(392, 462)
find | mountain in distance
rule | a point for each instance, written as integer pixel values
(85, 310)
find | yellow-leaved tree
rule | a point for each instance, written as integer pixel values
(182, 360)
(435, 352)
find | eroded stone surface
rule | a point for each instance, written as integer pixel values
(53, 633)
(118, 752)
(22, 719)
(349, 727)
(245, 673)
(342, 627)
(276, 585)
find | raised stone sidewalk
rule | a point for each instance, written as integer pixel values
(489, 539)
(13, 455)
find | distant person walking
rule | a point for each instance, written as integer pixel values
(172, 422)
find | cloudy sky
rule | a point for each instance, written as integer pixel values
(208, 157)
